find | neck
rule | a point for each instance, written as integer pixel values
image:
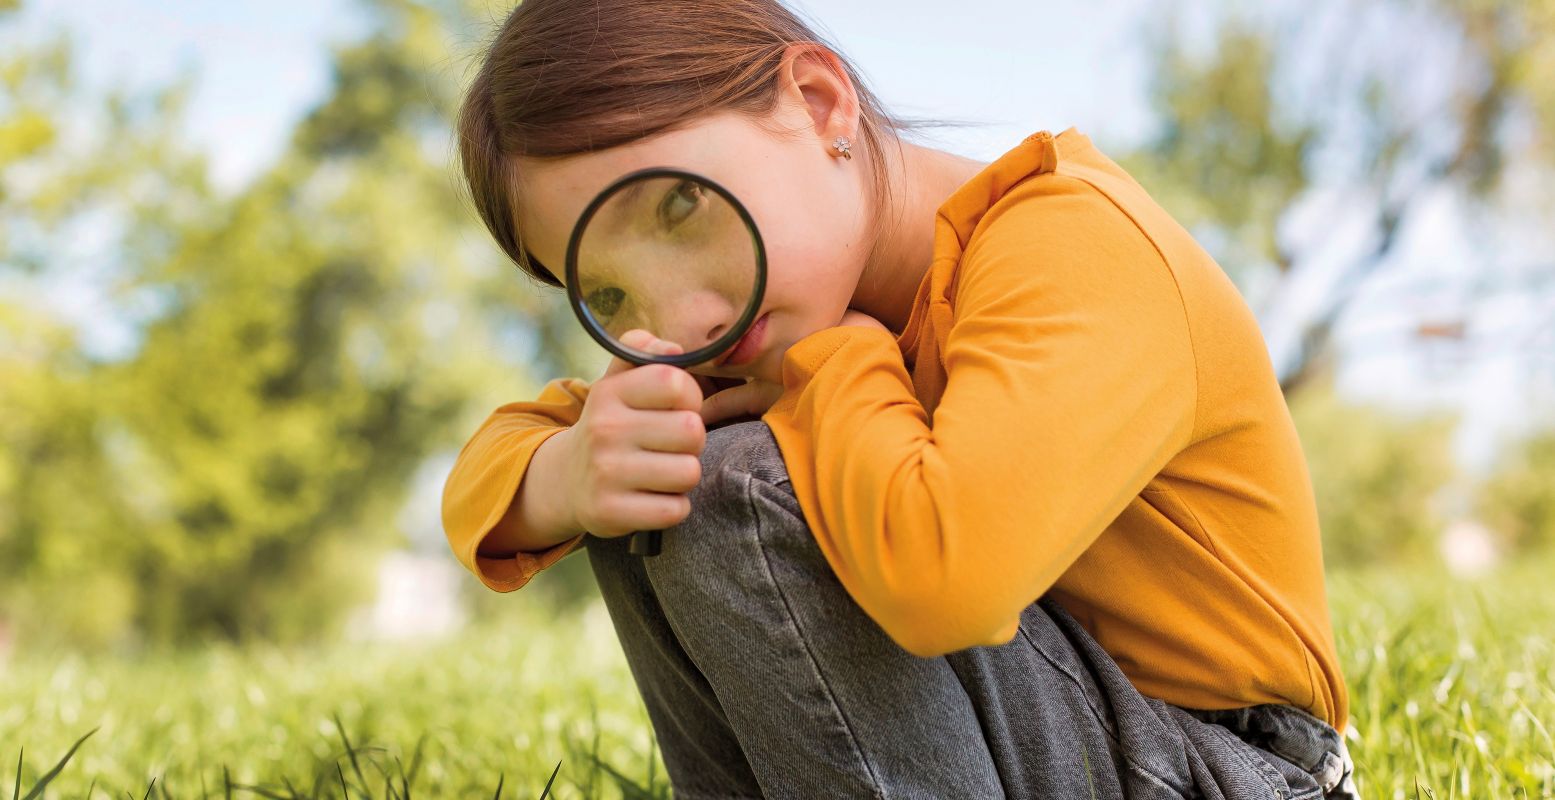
(921, 179)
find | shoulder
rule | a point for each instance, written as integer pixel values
(1056, 230)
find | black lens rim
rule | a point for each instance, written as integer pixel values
(593, 326)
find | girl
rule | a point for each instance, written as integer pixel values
(1016, 509)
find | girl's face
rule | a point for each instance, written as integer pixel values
(807, 203)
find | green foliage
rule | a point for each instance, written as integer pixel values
(1518, 501)
(1228, 157)
(1375, 474)
(296, 350)
(1295, 105)
(64, 566)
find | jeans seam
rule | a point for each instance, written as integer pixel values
(1307, 722)
(793, 621)
(1100, 717)
(1263, 768)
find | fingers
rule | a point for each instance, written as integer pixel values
(646, 470)
(660, 386)
(675, 431)
(639, 339)
(753, 398)
(651, 386)
(705, 383)
(625, 513)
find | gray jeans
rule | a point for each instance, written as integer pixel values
(763, 678)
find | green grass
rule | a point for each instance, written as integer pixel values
(489, 705)
(1452, 691)
(1452, 683)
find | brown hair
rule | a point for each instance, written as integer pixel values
(563, 77)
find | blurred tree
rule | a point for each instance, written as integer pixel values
(62, 571)
(1384, 105)
(1518, 500)
(298, 349)
(117, 178)
(1374, 474)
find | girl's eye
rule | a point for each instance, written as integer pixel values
(681, 202)
(607, 301)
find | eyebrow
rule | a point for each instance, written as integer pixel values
(631, 193)
(629, 196)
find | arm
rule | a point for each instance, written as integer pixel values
(496, 531)
(1070, 382)
(536, 519)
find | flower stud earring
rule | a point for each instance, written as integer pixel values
(842, 146)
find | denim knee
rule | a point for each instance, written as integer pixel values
(744, 485)
(745, 448)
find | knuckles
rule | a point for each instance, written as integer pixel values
(696, 474)
(667, 376)
(691, 473)
(606, 428)
(679, 510)
(696, 430)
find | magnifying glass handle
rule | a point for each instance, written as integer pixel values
(645, 543)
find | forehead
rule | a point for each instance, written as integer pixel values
(552, 193)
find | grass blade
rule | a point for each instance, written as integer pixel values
(37, 791)
(404, 784)
(415, 764)
(548, 783)
(629, 788)
(261, 791)
(355, 767)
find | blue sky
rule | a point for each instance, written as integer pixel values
(1009, 66)
(258, 65)
(1014, 67)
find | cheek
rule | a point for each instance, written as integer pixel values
(817, 268)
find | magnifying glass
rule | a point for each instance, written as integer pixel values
(675, 254)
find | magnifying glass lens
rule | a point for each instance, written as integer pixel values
(670, 254)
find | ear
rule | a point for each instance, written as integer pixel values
(811, 76)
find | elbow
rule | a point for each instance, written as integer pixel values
(933, 624)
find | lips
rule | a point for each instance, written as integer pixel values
(745, 350)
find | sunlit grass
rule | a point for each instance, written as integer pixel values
(1452, 690)
(501, 702)
(1452, 681)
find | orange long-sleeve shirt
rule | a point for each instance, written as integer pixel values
(1081, 403)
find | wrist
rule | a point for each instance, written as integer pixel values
(554, 514)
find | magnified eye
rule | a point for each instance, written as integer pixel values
(680, 202)
(607, 301)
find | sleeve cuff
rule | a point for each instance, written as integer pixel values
(511, 573)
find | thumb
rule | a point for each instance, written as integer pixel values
(639, 339)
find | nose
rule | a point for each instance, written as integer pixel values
(698, 318)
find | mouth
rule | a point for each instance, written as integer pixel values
(748, 347)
